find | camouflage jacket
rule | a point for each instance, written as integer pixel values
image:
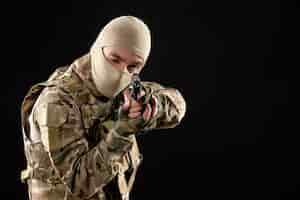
(72, 150)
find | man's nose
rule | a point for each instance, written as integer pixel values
(124, 66)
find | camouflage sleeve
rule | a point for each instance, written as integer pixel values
(82, 168)
(171, 106)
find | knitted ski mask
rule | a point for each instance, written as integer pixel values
(125, 31)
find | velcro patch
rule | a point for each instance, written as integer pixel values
(51, 115)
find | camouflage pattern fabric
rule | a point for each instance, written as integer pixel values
(73, 149)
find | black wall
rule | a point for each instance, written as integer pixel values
(232, 61)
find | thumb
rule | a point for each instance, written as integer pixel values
(126, 104)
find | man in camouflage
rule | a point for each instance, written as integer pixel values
(79, 126)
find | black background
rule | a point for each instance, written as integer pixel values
(232, 61)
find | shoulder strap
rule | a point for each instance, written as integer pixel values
(125, 186)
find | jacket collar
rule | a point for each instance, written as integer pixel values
(82, 67)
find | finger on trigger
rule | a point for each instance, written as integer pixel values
(134, 103)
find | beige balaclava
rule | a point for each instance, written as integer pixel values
(128, 32)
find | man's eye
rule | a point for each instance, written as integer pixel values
(114, 60)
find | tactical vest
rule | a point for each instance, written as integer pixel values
(38, 161)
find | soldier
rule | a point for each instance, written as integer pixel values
(79, 126)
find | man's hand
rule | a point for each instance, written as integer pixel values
(136, 109)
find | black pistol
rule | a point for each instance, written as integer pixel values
(135, 86)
